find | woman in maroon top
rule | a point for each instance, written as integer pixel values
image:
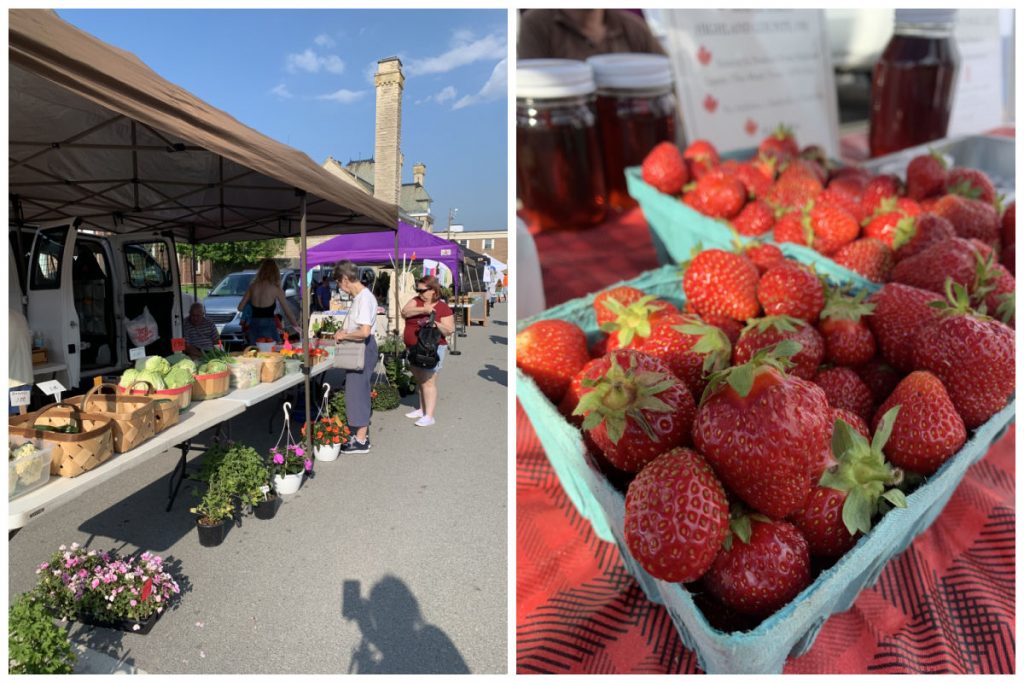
(416, 313)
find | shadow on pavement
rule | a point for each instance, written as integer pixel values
(495, 339)
(395, 638)
(492, 373)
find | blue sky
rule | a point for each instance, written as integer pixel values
(305, 78)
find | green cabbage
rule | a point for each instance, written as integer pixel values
(187, 363)
(215, 366)
(178, 377)
(154, 379)
(158, 365)
(129, 376)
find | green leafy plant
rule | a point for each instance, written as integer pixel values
(337, 407)
(242, 253)
(328, 326)
(35, 645)
(212, 460)
(216, 504)
(384, 397)
(244, 474)
(392, 345)
(399, 377)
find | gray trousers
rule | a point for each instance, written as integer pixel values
(357, 389)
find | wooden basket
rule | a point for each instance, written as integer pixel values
(210, 386)
(165, 410)
(73, 454)
(181, 397)
(134, 417)
(273, 367)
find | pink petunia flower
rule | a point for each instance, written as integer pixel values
(278, 459)
(308, 465)
(300, 451)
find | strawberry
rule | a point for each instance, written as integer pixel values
(551, 352)
(731, 328)
(815, 153)
(885, 222)
(917, 233)
(763, 255)
(790, 228)
(761, 333)
(756, 176)
(623, 294)
(993, 288)
(971, 218)
(791, 289)
(848, 339)
(635, 409)
(793, 191)
(868, 257)
(1008, 225)
(665, 169)
(878, 189)
(720, 282)
(1008, 258)
(761, 569)
(839, 195)
(804, 168)
(833, 227)
(690, 348)
(841, 507)
(780, 144)
(676, 516)
(928, 430)
(701, 156)
(971, 183)
(858, 423)
(826, 460)
(900, 311)
(762, 429)
(756, 218)
(633, 323)
(879, 377)
(844, 389)
(718, 195)
(926, 176)
(972, 355)
(575, 389)
(962, 261)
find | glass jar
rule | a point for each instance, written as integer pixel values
(636, 109)
(912, 86)
(559, 177)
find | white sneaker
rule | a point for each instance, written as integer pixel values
(414, 414)
(425, 421)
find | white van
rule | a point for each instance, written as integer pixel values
(78, 289)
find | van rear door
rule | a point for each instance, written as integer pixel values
(51, 303)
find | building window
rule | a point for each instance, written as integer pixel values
(488, 244)
(464, 243)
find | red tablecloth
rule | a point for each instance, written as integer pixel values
(944, 605)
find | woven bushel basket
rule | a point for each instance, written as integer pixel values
(273, 367)
(73, 454)
(211, 386)
(134, 417)
(165, 410)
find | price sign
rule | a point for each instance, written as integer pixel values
(178, 344)
(136, 352)
(20, 398)
(51, 387)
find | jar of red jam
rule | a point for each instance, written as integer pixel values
(912, 85)
(636, 109)
(559, 176)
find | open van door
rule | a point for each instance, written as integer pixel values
(51, 305)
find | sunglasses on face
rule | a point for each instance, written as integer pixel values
(422, 291)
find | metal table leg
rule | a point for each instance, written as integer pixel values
(179, 469)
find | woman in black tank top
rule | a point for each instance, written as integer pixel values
(266, 287)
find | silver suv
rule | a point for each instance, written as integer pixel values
(222, 303)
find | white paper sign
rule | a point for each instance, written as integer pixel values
(136, 352)
(740, 73)
(21, 398)
(978, 97)
(51, 387)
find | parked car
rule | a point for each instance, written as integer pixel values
(222, 303)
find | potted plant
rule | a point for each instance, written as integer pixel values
(101, 588)
(392, 349)
(337, 406)
(35, 645)
(288, 466)
(384, 397)
(213, 513)
(328, 326)
(244, 474)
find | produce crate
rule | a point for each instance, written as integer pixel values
(73, 454)
(28, 472)
(209, 386)
(133, 418)
(790, 631)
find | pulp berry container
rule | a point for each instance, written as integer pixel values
(791, 631)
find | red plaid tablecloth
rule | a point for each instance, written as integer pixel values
(944, 605)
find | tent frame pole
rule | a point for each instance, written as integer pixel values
(304, 319)
(398, 306)
(454, 350)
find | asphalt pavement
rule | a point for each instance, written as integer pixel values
(393, 561)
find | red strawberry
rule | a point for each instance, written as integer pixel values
(884, 224)
(762, 333)
(762, 430)
(690, 348)
(971, 183)
(719, 195)
(868, 257)
(926, 176)
(756, 218)
(633, 323)
(676, 516)
(918, 233)
(793, 191)
(846, 390)
(879, 378)
(957, 259)
(826, 459)
(780, 144)
(833, 227)
(993, 290)
(790, 228)
(757, 177)
(623, 294)
(848, 339)
(723, 283)
(815, 153)
(701, 156)
(804, 168)
(763, 255)
(730, 327)
(971, 218)
(839, 195)
(1008, 225)
(635, 409)
(575, 389)
(927, 430)
(791, 289)
(900, 311)
(973, 356)
(664, 169)
(551, 352)
(879, 189)
(763, 573)
(1008, 258)
(858, 423)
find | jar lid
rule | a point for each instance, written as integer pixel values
(933, 17)
(631, 70)
(553, 78)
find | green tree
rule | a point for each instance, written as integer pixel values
(244, 254)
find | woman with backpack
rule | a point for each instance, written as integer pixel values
(417, 314)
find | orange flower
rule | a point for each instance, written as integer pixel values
(347, 431)
(336, 440)
(319, 435)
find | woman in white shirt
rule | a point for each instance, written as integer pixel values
(359, 326)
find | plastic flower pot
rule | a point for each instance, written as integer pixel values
(213, 534)
(128, 625)
(287, 484)
(267, 508)
(327, 453)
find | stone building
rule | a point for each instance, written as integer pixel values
(491, 242)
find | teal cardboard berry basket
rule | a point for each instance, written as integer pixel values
(791, 631)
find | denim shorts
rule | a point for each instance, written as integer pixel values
(442, 351)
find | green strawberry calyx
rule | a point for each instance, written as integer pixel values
(958, 302)
(623, 394)
(782, 132)
(805, 223)
(937, 155)
(1007, 307)
(631, 321)
(965, 188)
(841, 305)
(864, 474)
(741, 525)
(778, 323)
(741, 377)
(906, 228)
(985, 277)
(712, 344)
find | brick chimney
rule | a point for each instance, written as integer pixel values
(419, 173)
(387, 172)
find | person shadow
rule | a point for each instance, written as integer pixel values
(395, 637)
(492, 373)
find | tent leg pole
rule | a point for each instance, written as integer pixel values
(454, 350)
(304, 320)
(398, 305)
(195, 284)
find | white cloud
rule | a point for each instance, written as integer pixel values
(281, 90)
(496, 88)
(447, 93)
(343, 96)
(311, 62)
(323, 40)
(465, 51)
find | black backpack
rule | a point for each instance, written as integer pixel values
(423, 354)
